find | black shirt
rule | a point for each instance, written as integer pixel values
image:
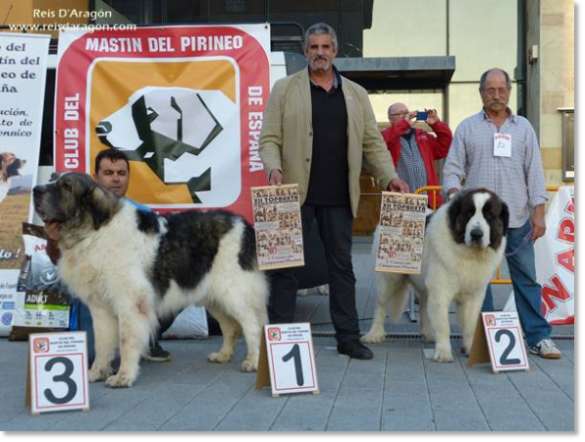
(329, 177)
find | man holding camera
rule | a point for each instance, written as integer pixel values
(414, 151)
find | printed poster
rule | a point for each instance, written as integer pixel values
(22, 92)
(278, 226)
(402, 233)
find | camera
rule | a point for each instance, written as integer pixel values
(422, 116)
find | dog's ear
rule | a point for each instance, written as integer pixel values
(101, 205)
(453, 213)
(55, 176)
(505, 217)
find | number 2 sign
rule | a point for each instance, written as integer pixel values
(498, 339)
(58, 372)
(290, 357)
(505, 341)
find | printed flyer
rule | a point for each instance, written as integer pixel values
(402, 233)
(277, 221)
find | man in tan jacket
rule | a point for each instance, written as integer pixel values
(317, 128)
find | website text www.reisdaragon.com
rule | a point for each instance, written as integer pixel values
(51, 27)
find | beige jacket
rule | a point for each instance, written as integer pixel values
(286, 141)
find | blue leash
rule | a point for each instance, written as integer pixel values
(522, 244)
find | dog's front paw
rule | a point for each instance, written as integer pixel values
(120, 380)
(248, 366)
(323, 290)
(374, 337)
(219, 358)
(97, 374)
(443, 355)
(427, 336)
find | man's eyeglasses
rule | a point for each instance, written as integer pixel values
(491, 91)
(399, 114)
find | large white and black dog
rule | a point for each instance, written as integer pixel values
(10, 166)
(464, 243)
(131, 267)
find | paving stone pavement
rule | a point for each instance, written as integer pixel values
(399, 390)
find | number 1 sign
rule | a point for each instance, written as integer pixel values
(290, 358)
(58, 372)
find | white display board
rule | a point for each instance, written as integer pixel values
(58, 372)
(291, 359)
(505, 341)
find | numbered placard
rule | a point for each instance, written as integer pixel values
(58, 372)
(291, 359)
(504, 340)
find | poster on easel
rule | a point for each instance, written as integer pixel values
(287, 360)
(57, 372)
(498, 339)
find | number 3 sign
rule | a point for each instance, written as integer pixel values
(290, 360)
(58, 372)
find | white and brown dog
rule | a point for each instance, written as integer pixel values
(464, 243)
(10, 167)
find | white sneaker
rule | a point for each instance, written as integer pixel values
(546, 349)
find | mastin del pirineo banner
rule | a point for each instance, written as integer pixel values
(184, 103)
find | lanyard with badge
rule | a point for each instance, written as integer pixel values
(502, 145)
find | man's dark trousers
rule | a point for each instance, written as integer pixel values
(335, 229)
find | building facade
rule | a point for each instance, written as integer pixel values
(452, 41)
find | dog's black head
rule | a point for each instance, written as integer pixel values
(478, 218)
(76, 202)
(10, 165)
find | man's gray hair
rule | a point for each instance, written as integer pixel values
(320, 29)
(391, 108)
(483, 78)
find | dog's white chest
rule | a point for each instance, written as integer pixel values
(4, 187)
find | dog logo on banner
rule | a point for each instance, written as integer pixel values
(174, 132)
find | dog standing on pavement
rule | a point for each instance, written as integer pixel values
(464, 243)
(132, 267)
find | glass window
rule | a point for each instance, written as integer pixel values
(407, 29)
(193, 11)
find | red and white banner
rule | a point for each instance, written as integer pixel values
(185, 103)
(555, 260)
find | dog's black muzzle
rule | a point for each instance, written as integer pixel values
(476, 236)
